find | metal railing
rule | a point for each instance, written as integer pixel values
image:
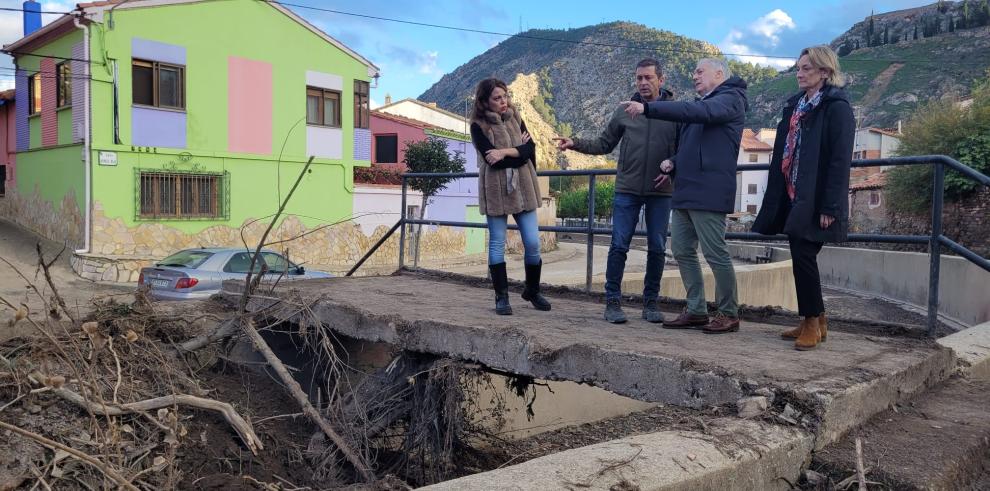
(935, 240)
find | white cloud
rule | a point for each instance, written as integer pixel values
(6, 83)
(772, 24)
(752, 43)
(428, 62)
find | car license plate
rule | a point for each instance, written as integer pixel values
(159, 283)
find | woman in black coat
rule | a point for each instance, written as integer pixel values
(807, 195)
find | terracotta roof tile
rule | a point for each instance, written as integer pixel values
(875, 181)
(752, 144)
(402, 120)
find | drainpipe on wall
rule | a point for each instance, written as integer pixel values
(87, 160)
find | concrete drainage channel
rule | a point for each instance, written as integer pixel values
(800, 403)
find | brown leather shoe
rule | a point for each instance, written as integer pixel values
(686, 320)
(793, 333)
(822, 326)
(722, 324)
(810, 336)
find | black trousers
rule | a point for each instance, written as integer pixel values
(807, 281)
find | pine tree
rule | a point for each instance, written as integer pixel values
(886, 35)
(916, 31)
(965, 17)
(869, 31)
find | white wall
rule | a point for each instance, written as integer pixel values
(418, 112)
(376, 205)
(758, 178)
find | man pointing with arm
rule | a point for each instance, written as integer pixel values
(705, 168)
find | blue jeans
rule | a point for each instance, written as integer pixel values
(528, 229)
(625, 215)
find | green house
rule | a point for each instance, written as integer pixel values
(148, 126)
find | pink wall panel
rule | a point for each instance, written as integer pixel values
(49, 103)
(406, 134)
(249, 106)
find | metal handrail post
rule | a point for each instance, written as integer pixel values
(591, 233)
(402, 229)
(935, 246)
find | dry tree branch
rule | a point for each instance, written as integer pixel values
(303, 399)
(48, 278)
(243, 428)
(248, 287)
(247, 325)
(101, 466)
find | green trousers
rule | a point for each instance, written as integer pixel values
(688, 228)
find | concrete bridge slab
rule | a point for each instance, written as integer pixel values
(834, 388)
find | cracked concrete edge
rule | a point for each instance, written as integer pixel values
(734, 454)
(851, 407)
(972, 348)
(511, 351)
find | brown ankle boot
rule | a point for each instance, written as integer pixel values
(793, 333)
(809, 337)
(823, 326)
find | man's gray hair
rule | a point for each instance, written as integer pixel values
(717, 64)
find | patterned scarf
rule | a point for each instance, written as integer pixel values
(789, 164)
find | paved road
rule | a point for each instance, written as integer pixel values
(17, 246)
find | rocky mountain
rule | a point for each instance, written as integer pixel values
(894, 62)
(897, 60)
(582, 73)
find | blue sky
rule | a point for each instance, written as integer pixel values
(412, 57)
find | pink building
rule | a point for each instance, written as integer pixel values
(8, 141)
(390, 134)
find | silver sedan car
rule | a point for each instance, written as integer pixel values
(198, 273)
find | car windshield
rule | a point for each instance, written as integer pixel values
(186, 259)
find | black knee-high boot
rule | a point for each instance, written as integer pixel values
(500, 282)
(532, 291)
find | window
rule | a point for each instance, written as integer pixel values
(3, 180)
(751, 189)
(322, 107)
(34, 94)
(63, 80)
(276, 263)
(412, 211)
(241, 263)
(857, 155)
(874, 199)
(386, 149)
(754, 157)
(751, 209)
(158, 84)
(362, 104)
(186, 259)
(180, 195)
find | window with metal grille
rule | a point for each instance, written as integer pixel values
(753, 157)
(322, 107)
(751, 189)
(386, 149)
(751, 209)
(63, 81)
(874, 199)
(34, 94)
(158, 84)
(181, 195)
(362, 104)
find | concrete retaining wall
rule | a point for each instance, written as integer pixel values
(903, 276)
